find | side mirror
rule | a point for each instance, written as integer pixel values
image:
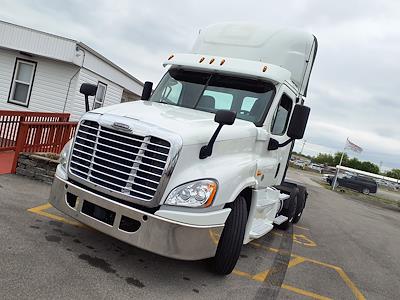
(222, 117)
(298, 122)
(147, 90)
(273, 144)
(88, 89)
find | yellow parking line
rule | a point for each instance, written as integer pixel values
(303, 240)
(300, 227)
(339, 270)
(40, 210)
(241, 273)
(350, 284)
(261, 276)
(304, 292)
(297, 259)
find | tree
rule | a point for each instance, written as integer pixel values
(324, 159)
(394, 173)
(353, 163)
(337, 156)
(368, 166)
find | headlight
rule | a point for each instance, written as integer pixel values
(64, 155)
(193, 194)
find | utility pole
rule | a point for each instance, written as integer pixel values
(302, 147)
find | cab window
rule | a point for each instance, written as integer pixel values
(281, 117)
(222, 100)
(172, 92)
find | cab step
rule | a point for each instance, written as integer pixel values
(259, 228)
(280, 219)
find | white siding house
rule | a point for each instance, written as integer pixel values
(43, 72)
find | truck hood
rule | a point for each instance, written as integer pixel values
(194, 126)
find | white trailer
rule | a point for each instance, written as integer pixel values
(196, 168)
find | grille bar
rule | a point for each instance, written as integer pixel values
(123, 163)
(81, 158)
(100, 151)
(127, 137)
(140, 148)
(115, 148)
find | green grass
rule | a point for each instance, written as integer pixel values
(371, 198)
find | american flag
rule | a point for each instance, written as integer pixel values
(353, 147)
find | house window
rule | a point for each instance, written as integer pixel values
(21, 85)
(100, 95)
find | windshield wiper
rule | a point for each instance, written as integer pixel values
(167, 101)
(202, 92)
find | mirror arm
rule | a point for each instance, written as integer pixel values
(274, 144)
(206, 151)
(286, 143)
(87, 103)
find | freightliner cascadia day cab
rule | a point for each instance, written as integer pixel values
(196, 168)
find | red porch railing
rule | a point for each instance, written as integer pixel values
(10, 123)
(42, 137)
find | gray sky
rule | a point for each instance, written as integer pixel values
(352, 91)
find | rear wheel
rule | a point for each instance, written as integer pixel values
(289, 211)
(365, 191)
(301, 203)
(231, 240)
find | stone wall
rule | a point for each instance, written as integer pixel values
(39, 166)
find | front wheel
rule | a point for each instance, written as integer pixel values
(231, 240)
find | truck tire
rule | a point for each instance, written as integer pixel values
(365, 191)
(289, 212)
(231, 240)
(301, 203)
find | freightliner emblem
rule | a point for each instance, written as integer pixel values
(121, 126)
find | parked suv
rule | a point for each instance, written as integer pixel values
(361, 184)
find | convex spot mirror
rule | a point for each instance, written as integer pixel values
(225, 117)
(222, 117)
(147, 90)
(298, 122)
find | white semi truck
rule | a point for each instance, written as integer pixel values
(196, 168)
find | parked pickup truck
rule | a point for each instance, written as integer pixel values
(361, 184)
(196, 168)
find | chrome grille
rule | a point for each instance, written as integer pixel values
(123, 162)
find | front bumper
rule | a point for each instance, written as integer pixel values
(155, 234)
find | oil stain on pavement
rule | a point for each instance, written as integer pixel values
(53, 238)
(98, 263)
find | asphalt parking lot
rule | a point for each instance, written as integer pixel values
(341, 249)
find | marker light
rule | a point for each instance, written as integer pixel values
(202, 59)
(212, 60)
(171, 57)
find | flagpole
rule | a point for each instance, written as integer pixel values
(340, 164)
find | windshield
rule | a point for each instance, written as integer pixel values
(249, 98)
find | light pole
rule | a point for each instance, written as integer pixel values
(302, 147)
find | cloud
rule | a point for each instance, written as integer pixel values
(353, 89)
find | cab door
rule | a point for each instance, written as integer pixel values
(278, 128)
